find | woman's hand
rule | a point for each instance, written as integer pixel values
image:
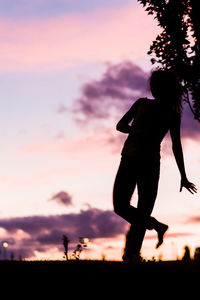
(188, 185)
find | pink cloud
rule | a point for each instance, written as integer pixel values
(193, 219)
(101, 141)
(36, 44)
(31, 179)
(170, 235)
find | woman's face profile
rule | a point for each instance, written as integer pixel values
(163, 85)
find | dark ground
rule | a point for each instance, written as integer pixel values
(105, 279)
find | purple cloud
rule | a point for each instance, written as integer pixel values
(51, 238)
(47, 231)
(62, 198)
(119, 84)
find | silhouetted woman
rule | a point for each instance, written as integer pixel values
(140, 161)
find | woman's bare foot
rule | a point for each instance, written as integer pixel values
(161, 229)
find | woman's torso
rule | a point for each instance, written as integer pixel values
(151, 123)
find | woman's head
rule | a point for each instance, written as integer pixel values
(165, 86)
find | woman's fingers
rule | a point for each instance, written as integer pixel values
(189, 186)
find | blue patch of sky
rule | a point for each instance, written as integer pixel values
(46, 8)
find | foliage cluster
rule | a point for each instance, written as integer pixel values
(177, 47)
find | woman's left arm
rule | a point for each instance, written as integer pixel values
(178, 154)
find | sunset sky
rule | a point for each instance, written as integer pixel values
(69, 69)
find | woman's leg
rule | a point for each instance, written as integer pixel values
(147, 183)
(125, 182)
(124, 186)
(123, 189)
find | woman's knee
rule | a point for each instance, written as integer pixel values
(116, 205)
(119, 208)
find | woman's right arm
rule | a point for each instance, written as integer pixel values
(123, 124)
(178, 154)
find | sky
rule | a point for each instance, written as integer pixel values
(69, 70)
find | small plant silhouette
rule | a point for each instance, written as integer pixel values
(83, 243)
(65, 244)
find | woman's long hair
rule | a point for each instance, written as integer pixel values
(165, 86)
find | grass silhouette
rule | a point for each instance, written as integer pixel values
(106, 272)
(88, 279)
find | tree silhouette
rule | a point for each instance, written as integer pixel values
(177, 47)
(197, 254)
(186, 257)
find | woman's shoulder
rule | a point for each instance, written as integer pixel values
(142, 100)
(143, 103)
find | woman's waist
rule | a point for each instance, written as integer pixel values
(142, 147)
